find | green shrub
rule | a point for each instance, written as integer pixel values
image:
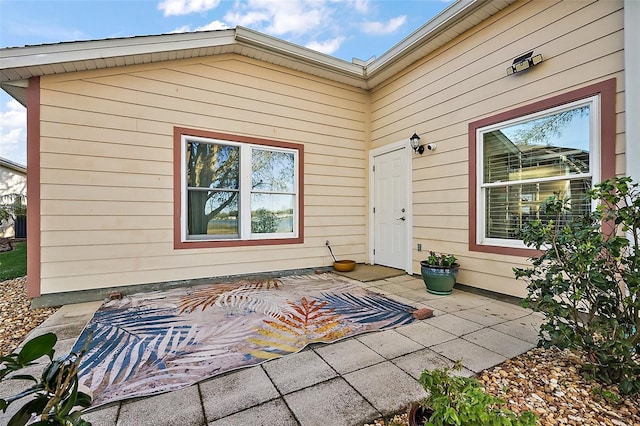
(460, 401)
(55, 392)
(587, 280)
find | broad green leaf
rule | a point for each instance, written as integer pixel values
(37, 347)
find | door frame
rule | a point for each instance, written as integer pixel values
(408, 157)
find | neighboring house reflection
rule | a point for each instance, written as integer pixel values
(13, 189)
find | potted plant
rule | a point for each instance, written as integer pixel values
(439, 272)
(456, 401)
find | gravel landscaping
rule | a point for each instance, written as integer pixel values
(16, 317)
(547, 382)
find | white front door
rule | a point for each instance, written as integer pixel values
(390, 208)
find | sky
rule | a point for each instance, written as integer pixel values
(345, 29)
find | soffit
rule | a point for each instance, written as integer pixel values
(19, 168)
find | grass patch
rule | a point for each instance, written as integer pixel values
(13, 264)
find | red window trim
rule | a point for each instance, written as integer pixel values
(178, 132)
(607, 91)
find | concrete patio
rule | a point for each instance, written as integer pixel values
(345, 383)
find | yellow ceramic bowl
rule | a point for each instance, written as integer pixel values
(344, 265)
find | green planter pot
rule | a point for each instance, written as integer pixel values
(439, 279)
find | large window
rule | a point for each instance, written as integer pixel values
(238, 191)
(526, 160)
(518, 158)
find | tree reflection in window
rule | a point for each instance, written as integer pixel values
(213, 183)
(527, 161)
(272, 191)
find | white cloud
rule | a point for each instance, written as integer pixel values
(381, 28)
(246, 19)
(213, 25)
(361, 6)
(13, 132)
(182, 29)
(328, 46)
(281, 17)
(185, 7)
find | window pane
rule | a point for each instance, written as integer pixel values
(213, 213)
(212, 165)
(272, 171)
(271, 213)
(509, 208)
(554, 145)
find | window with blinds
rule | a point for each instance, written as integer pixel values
(524, 161)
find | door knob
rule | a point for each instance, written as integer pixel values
(401, 218)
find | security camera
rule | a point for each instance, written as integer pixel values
(431, 147)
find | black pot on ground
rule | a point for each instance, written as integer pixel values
(418, 415)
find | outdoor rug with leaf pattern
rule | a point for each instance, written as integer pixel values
(154, 342)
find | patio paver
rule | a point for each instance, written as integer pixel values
(348, 382)
(497, 342)
(458, 302)
(181, 407)
(330, 403)
(386, 386)
(426, 359)
(481, 316)
(348, 355)
(271, 413)
(219, 396)
(505, 310)
(525, 328)
(106, 416)
(425, 333)
(454, 324)
(389, 343)
(474, 357)
(297, 371)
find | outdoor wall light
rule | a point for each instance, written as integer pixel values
(524, 62)
(415, 144)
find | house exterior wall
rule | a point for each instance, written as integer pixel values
(12, 183)
(106, 167)
(465, 81)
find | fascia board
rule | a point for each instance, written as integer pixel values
(432, 28)
(29, 56)
(274, 45)
(13, 166)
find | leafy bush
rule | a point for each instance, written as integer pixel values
(587, 280)
(13, 210)
(56, 391)
(460, 401)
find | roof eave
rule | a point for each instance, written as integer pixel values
(19, 64)
(66, 52)
(430, 37)
(13, 166)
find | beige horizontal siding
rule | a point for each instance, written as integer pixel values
(107, 146)
(466, 80)
(107, 167)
